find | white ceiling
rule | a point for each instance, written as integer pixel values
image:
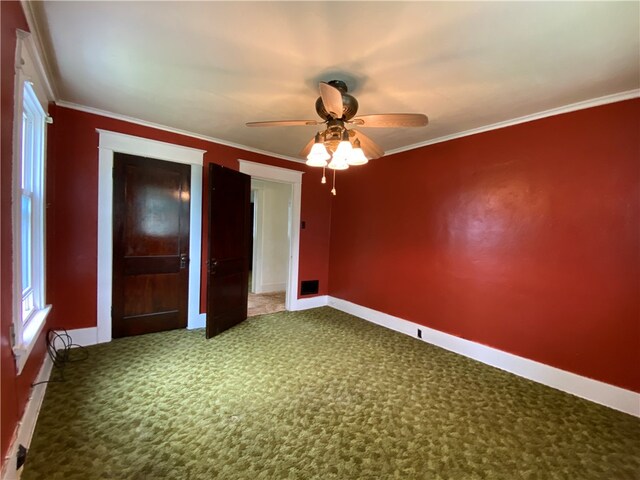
(209, 67)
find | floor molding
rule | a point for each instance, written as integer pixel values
(271, 287)
(312, 302)
(587, 388)
(84, 336)
(27, 424)
(199, 322)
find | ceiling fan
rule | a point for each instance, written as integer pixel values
(343, 146)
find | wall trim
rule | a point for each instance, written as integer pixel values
(28, 69)
(256, 269)
(109, 143)
(83, 337)
(594, 102)
(272, 287)
(198, 322)
(311, 302)
(262, 171)
(157, 126)
(122, 142)
(599, 392)
(39, 52)
(270, 173)
(27, 424)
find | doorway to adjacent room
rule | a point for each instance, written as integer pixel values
(269, 255)
(276, 195)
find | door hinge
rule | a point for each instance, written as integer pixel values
(12, 335)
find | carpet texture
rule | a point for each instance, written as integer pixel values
(315, 395)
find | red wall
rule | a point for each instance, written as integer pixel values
(524, 238)
(73, 210)
(14, 390)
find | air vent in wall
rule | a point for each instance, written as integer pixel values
(309, 287)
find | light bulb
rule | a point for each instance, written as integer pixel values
(344, 147)
(338, 163)
(339, 160)
(318, 155)
(356, 156)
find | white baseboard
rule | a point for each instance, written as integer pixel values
(587, 388)
(199, 322)
(270, 287)
(84, 336)
(27, 424)
(311, 302)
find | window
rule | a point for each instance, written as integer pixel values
(31, 201)
(30, 121)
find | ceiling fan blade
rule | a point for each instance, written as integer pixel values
(370, 148)
(332, 100)
(283, 123)
(305, 151)
(392, 120)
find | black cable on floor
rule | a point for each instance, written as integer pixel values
(59, 345)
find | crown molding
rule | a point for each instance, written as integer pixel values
(595, 102)
(144, 123)
(38, 51)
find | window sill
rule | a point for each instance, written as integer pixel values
(30, 334)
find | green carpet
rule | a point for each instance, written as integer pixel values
(315, 395)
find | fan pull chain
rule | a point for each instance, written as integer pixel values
(333, 190)
(324, 179)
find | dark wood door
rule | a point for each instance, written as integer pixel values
(229, 236)
(150, 245)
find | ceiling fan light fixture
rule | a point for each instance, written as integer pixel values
(338, 163)
(318, 155)
(332, 148)
(357, 156)
(343, 152)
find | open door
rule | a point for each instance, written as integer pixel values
(229, 237)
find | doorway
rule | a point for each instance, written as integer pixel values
(270, 247)
(259, 171)
(109, 144)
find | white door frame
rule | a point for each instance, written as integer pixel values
(294, 178)
(256, 271)
(109, 143)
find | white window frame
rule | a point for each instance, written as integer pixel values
(31, 97)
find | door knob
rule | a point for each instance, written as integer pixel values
(211, 265)
(183, 261)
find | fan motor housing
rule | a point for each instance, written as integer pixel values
(349, 102)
